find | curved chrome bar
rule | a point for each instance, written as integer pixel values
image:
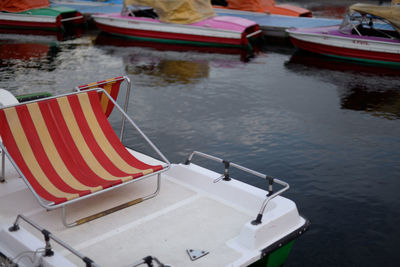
(271, 180)
(269, 198)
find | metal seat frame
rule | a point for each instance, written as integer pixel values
(51, 205)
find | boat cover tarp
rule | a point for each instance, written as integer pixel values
(177, 11)
(22, 5)
(390, 13)
(251, 5)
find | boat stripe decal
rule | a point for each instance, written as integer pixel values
(79, 141)
(23, 144)
(51, 154)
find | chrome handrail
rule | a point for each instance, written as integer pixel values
(271, 180)
(47, 236)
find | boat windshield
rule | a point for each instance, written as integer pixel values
(366, 24)
(176, 11)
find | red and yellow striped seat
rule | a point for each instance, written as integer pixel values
(66, 148)
(111, 86)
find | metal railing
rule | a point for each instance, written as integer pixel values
(48, 252)
(225, 177)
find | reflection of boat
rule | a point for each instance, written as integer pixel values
(28, 52)
(357, 93)
(372, 36)
(113, 40)
(319, 62)
(381, 103)
(263, 6)
(195, 217)
(169, 70)
(186, 22)
(22, 51)
(37, 14)
(66, 34)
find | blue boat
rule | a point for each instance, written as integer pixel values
(276, 25)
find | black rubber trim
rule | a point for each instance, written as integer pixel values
(280, 243)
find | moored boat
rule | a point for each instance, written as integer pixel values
(37, 15)
(186, 22)
(368, 33)
(263, 6)
(61, 153)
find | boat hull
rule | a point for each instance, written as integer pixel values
(51, 19)
(192, 34)
(331, 43)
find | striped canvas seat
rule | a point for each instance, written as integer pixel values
(111, 86)
(66, 148)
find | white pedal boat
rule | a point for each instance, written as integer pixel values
(192, 216)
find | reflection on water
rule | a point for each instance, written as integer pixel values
(385, 104)
(356, 93)
(107, 39)
(21, 57)
(67, 34)
(172, 71)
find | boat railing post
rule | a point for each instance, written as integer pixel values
(269, 197)
(3, 167)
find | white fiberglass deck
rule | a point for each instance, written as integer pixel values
(191, 212)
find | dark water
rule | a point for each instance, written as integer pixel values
(330, 129)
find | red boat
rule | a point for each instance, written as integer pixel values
(37, 15)
(186, 22)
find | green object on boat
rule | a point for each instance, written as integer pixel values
(34, 96)
(276, 258)
(48, 11)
